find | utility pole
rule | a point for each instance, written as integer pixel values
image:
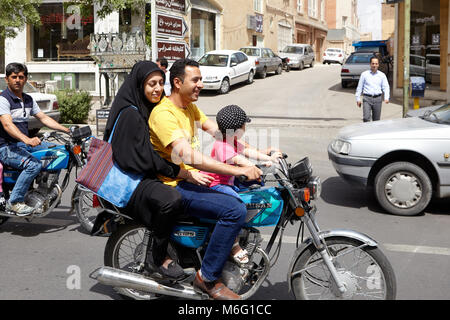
(406, 51)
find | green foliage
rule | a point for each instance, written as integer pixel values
(109, 6)
(17, 14)
(74, 106)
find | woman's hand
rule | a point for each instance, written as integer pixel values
(276, 156)
(199, 178)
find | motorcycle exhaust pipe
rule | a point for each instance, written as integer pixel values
(123, 279)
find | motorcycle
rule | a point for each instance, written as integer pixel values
(285, 64)
(334, 264)
(45, 193)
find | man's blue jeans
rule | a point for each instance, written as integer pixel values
(230, 213)
(18, 156)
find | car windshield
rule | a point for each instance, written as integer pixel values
(359, 58)
(333, 50)
(28, 88)
(290, 49)
(440, 115)
(214, 60)
(254, 52)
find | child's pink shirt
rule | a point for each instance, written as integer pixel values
(224, 152)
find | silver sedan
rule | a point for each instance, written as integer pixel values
(405, 161)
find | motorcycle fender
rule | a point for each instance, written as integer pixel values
(324, 235)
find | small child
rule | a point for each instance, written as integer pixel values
(2, 197)
(231, 121)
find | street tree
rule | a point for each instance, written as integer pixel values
(16, 14)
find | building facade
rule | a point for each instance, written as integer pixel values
(58, 51)
(429, 47)
(343, 24)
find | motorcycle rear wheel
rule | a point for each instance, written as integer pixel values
(124, 251)
(365, 272)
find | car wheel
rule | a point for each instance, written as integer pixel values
(311, 64)
(301, 66)
(251, 77)
(225, 86)
(344, 84)
(403, 188)
(279, 69)
(263, 74)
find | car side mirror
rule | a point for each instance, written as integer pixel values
(234, 64)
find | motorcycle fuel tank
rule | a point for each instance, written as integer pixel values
(264, 206)
(56, 158)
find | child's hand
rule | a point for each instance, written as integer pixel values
(267, 163)
(276, 156)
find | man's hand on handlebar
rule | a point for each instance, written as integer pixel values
(33, 142)
(252, 173)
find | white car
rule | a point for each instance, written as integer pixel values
(223, 68)
(46, 102)
(333, 55)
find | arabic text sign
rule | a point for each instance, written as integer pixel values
(172, 50)
(169, 25)
(176, 5)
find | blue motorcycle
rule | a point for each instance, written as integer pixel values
(334, 264)
(65, 152)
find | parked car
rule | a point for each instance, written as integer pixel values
(47, 103)
(357, 63)
(406, 161)
(433, 68)
(334, 55)
(265, 60)
(223, 68)
(416, 66)
(299, 55)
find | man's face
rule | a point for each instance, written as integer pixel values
(192, 85)
(16, 81)
(374, 64)
(160, 66)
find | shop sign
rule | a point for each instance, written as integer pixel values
(171, 26)
(172, 50)
(255, 23)
(173, 5)
(435, 38)
(415, 40)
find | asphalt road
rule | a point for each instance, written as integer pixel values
(301, 111)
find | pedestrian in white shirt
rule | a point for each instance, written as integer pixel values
(371, 85)
(163, 64)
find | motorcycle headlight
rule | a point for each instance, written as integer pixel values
(340, 146)
(315, 187)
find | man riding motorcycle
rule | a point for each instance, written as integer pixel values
(15, 144)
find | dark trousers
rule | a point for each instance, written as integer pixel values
(157, 207)
(230, 213)
(372, 108)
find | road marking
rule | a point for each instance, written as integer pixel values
(388, 246)
(417, 249)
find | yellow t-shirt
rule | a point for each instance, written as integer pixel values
(168, 123)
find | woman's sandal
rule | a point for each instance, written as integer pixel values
(240, 257)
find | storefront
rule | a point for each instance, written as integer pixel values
(58, 49)
(429, 31)
(204, 28)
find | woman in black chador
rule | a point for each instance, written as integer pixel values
(153, 204)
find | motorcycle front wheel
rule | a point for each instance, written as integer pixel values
(85, 209)
(365, 272)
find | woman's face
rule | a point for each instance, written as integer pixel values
(154, 87)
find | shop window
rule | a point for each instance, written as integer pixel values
(203, 36)
(64, 33)
(64, 81)
(425, 41)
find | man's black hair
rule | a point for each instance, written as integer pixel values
(163, 62)
(178, 69)
(374, 57)
(15, 67)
